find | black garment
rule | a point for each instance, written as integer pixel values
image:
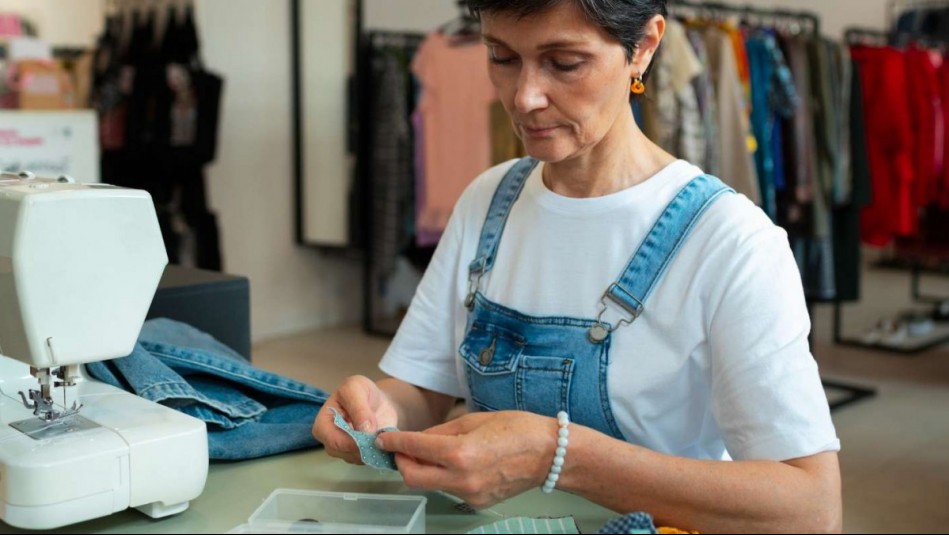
(847, 254)
(184, 196)
(170, 94)
(391, 166)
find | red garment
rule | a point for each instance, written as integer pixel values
(943, 193)
(925, 101)
(889, 131)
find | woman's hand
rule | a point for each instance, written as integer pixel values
(362, 403)
(482, 458)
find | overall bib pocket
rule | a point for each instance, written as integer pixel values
(491, 355)
(501, 377)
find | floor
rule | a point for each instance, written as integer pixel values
(895, 456)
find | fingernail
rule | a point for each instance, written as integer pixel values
(365, 427)
(379, 444)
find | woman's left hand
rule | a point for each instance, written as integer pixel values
(482, 458)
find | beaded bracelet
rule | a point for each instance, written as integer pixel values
(563, 420)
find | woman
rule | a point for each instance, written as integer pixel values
(605, 279)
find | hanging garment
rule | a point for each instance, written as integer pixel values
(671, 111)
(250, 413)
(943, 189)
(848, 265)
(926, 107)
(801, 164)
(390, 168)
(840, 79)
(158, 114)
(707, 105)
(423, 237)
(889, 144)
(505, 145)
(455, 103)
(737, 162)
(773, 96)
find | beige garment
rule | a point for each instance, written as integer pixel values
(455, 108)
(505, 145)
(670, 109)
(737, 163)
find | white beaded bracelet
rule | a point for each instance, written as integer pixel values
(563, 420)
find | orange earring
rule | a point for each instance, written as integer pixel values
(638, 87)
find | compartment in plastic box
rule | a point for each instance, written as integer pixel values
(312, 511)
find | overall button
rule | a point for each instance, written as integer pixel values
(487, 354)
(598, 333)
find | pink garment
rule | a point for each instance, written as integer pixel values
(10, 25)
(423, 237)
(455, 106)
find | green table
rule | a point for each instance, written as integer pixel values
(235, 490)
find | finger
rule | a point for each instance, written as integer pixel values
(332, 437)
(348, 457)
(356, 396)
(419, 475)
(429, 449)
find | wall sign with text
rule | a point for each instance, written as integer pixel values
(50, 143)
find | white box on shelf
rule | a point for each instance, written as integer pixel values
(51, 143)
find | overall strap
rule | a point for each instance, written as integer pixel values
(508, 191)
(662, 244)
(504, 197)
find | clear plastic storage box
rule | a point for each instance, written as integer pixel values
(313, 511)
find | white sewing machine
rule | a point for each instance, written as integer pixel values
(79, 265)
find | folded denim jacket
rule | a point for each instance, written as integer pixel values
(249, 412)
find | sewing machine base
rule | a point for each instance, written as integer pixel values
(135, 453)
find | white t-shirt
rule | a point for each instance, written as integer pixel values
(718, 366)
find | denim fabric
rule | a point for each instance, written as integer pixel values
(250, 413)
(549, 364)
(664, 240)
(507, 193)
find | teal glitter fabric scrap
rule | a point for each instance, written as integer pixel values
(370, 454)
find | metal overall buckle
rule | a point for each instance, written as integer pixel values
(474, 280)
(601, 329)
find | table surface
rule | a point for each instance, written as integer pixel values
(235, 490)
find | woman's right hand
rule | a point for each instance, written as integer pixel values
(364, 405)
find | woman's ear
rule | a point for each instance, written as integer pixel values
(652, 36)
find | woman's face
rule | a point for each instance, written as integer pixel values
(563, 80)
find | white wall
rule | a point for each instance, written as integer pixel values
(407, 15)
(251, 183)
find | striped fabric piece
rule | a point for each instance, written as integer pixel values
(531, 525)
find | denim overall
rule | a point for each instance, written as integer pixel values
(548, 364)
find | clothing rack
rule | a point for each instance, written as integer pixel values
(894, 8)
(114, 8)
(867, 36)
(796, 21)
(872, 37)
(917, 252)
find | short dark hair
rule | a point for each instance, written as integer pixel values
(625, 20)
